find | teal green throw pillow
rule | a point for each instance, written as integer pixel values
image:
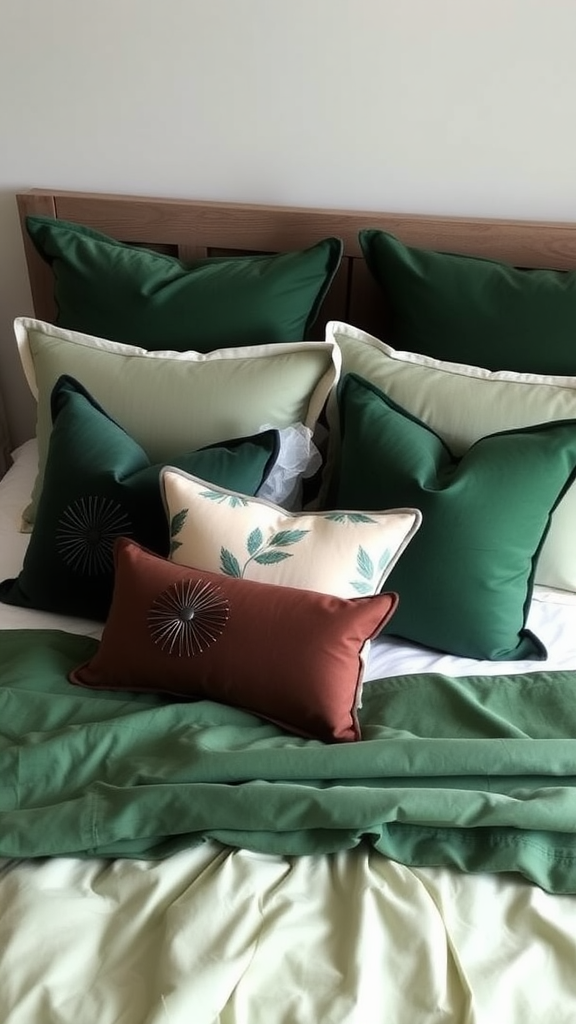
(477, 311)
(99, 485)
(141, 297)
(465, 581)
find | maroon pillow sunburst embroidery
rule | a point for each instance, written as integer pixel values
(188, 617)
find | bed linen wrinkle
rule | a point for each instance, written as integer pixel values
(105, 940)
(529, 935)
(147, 783)
(346, 960)
(324, 892)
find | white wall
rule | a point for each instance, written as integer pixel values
(448, 106)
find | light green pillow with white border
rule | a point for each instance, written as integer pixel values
(347, 554)
(177, 401)
(462, 404)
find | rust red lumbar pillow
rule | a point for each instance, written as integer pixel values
(291, 656)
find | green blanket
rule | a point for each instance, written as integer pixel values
(478, 773)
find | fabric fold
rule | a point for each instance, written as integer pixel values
(465, 772)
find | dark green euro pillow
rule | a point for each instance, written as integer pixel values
(100, 484)
(141, 297)
(477, 311)
(465, 581)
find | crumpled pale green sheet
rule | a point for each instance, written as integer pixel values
(475, 772)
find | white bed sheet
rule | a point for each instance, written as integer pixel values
(219, 936)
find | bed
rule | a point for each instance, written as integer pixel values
(230, 858)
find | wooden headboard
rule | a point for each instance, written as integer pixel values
(191, 229)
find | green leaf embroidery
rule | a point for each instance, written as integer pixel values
(254, 541)
(285, 537)
(364, 563)
(384, 559)
(349, 517)
(174, 545)
(365, 567)
(270, 557)
(229, 563)
(261, 551)
(211, 495)
(224, 499)
(361, 588)
(177, 522)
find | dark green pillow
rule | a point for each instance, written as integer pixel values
(476, 311)
(141, 297)
(465, 581)
(100, 484)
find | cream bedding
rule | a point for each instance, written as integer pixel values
(229, 937)
(216, 936)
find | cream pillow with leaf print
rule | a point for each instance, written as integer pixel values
(347, 554)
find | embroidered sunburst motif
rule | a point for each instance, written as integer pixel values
(86, 533)
(188, 617)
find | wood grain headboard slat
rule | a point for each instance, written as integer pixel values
(278, 228)
(41, 204)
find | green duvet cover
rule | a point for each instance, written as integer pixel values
(474, 772)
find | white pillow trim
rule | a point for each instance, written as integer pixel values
(336, 327)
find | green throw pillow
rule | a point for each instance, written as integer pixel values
(100, 484)
(470, 310)
(462, 404)
(465, 581)
(141, 297)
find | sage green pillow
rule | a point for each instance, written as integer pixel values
(470, 310)
(466, 579)
(99, 485)
(141, 297)
(462, 404)
(171, 402)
